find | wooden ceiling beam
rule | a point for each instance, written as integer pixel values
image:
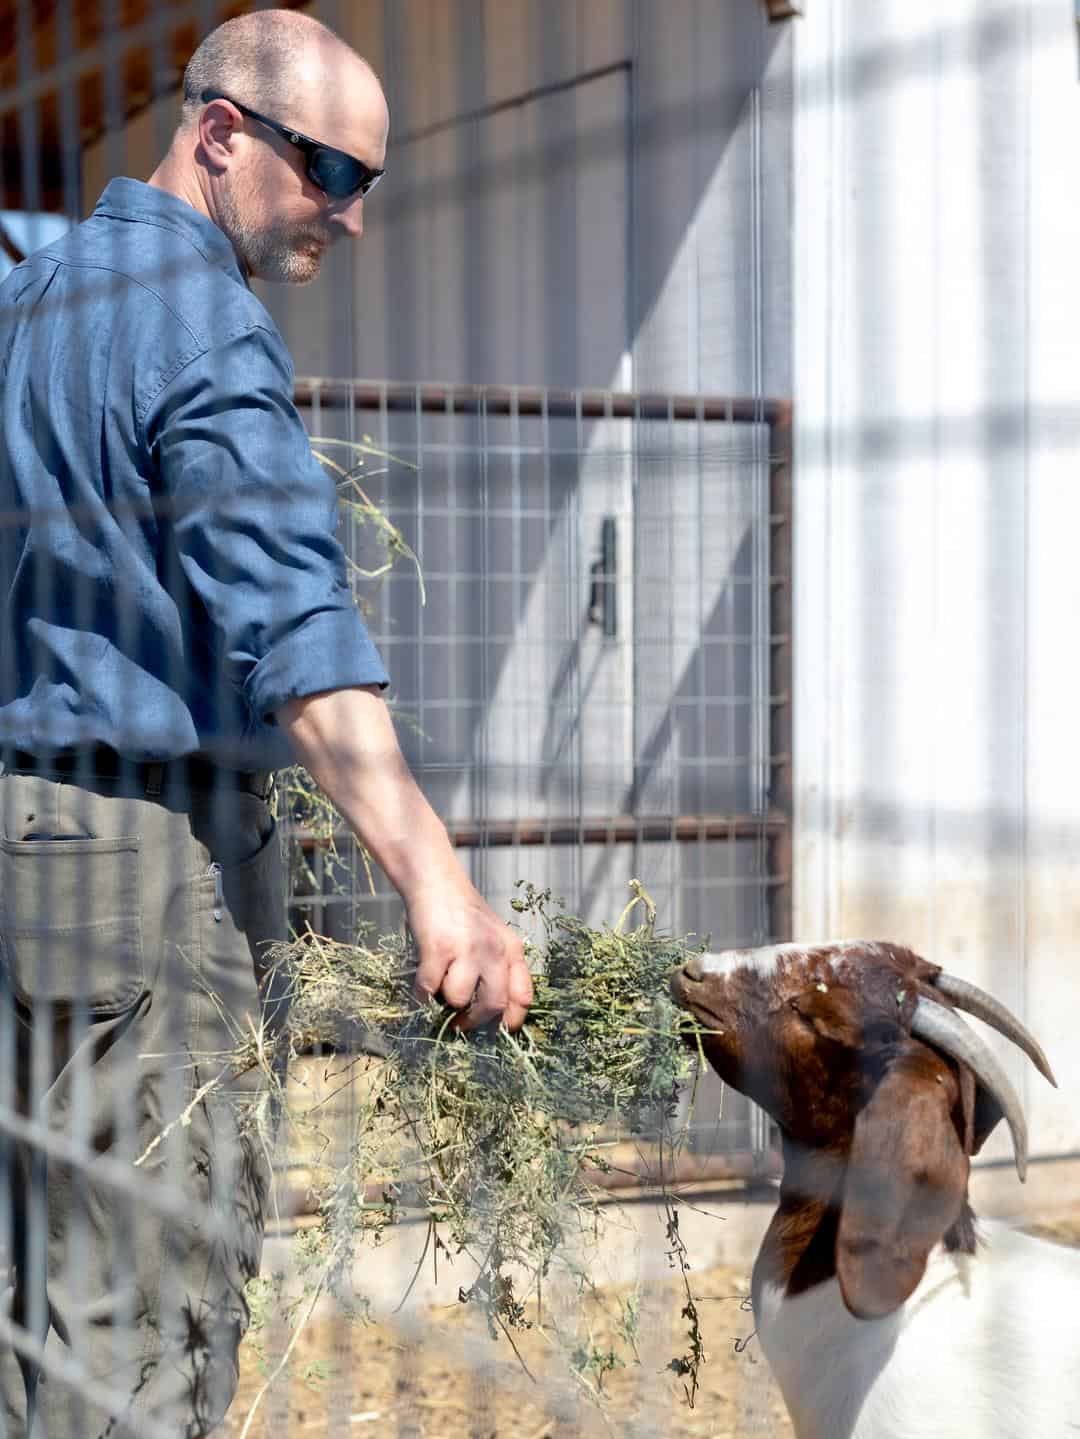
(57, 98)
(158, 29)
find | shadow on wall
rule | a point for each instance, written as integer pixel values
(530, 243)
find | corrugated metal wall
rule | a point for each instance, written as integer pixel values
(938, 340)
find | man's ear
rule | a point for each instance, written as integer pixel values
(218, 124)
(905, 1185)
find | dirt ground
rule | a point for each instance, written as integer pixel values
(444, 1378)
(436, 1373)
(448, 1380)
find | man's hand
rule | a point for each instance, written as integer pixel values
(346, 741)
(469, 956)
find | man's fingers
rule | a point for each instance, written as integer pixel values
(430, 973)
(482, 974)
(519, 994)
(514, 1015)
(485, 1002)
(460, 984)
(520, 988)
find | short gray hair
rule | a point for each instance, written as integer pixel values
(252, 58)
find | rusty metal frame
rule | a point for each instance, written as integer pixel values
(775, 825)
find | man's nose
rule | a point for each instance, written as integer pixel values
(350, 216)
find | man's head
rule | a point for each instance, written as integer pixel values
(251, 180)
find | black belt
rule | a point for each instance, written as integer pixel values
(153, 777)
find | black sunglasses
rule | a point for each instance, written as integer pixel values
(335, 173)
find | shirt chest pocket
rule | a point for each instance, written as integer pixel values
(70, 923)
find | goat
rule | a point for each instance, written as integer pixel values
(882, 1311)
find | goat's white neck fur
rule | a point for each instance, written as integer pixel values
(987, 1347)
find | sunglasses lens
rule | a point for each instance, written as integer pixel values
(340, 175)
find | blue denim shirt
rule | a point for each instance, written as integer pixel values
(169, 571)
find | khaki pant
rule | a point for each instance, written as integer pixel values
(131, 941)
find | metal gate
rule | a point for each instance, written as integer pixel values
(592, 657)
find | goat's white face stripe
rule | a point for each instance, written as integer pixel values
(765, 960)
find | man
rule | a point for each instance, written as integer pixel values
(175, 623)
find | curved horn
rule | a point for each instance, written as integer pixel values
(953, 1036)
(991, 1011)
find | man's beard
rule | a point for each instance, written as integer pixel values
(285, 250)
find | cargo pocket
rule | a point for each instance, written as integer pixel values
(245, 902)
(70, 925)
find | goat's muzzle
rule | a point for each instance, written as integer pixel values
(694, 968)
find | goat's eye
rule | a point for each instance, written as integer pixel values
(882, 1031)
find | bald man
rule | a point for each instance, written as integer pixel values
(176, 624)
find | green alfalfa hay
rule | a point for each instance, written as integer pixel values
(496, 1138)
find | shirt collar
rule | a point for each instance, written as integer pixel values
(126, 199)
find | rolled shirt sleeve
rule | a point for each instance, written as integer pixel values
(254, 519)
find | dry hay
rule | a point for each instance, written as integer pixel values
(495, 1138)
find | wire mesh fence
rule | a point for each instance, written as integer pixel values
(591, 657)
(590, 665)
(587, 625)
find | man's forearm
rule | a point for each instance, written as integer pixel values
(345, 739)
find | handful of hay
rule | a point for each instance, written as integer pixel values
(498, 1138)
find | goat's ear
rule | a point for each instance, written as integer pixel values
(905, 1184)
(834, 1013)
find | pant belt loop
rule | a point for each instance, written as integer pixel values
(155, 778)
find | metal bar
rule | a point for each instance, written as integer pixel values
(124, 1178)
(515, 102)
(536, 403)
(56, 1365)
(621, 829)
(781, 718)
(646, 1173)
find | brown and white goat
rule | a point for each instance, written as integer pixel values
(882, 1312)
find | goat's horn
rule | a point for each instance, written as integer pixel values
(946, 1031)
(991, 1011)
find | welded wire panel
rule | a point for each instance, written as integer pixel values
(578, 654)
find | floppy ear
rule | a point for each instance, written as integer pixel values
(905, 1185)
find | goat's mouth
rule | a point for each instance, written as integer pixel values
(682, 988)
(686, 991)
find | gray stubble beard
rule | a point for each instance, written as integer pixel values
(273, 252)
